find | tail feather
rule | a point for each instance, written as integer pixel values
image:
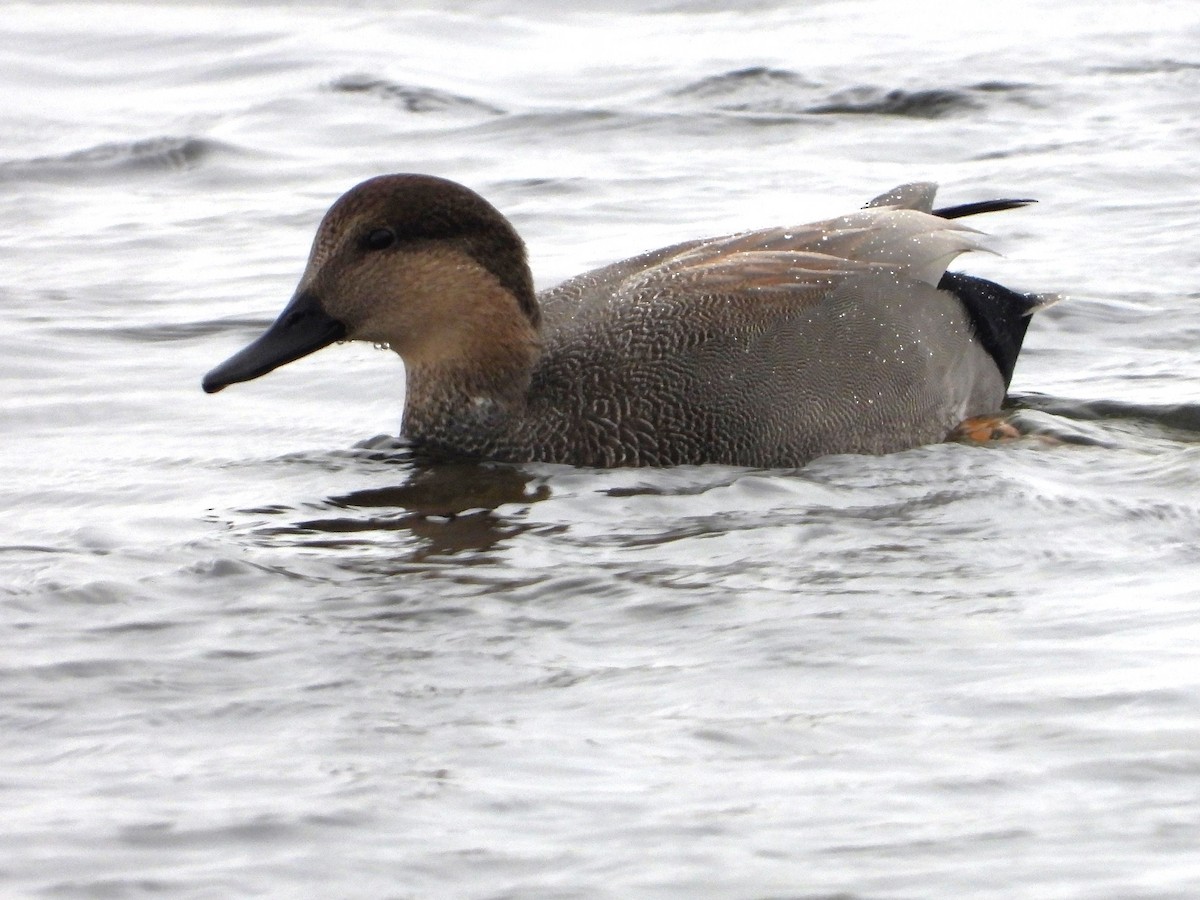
(981, 206)
(919, 195)
(999, 316)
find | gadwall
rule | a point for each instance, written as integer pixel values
(765, 348)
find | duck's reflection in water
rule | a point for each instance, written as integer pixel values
(450, 507)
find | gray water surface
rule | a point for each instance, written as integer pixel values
(253, 648)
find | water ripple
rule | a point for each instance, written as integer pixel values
(414, 98)
(149, 155)
(760, 90)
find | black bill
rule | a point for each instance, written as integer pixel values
(302, 328)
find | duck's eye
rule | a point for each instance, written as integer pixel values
(379, 239)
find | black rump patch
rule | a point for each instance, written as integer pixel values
(998, 316)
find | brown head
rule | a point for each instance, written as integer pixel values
(419, 263)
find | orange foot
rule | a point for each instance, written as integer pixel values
(981, 429)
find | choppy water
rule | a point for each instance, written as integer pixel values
(253, 649)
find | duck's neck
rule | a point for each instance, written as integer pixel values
(467, 400)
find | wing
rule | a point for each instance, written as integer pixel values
(900, 243)
(896, 236)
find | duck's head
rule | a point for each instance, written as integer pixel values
(421, 264)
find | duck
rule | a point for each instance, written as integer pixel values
(764, 348)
